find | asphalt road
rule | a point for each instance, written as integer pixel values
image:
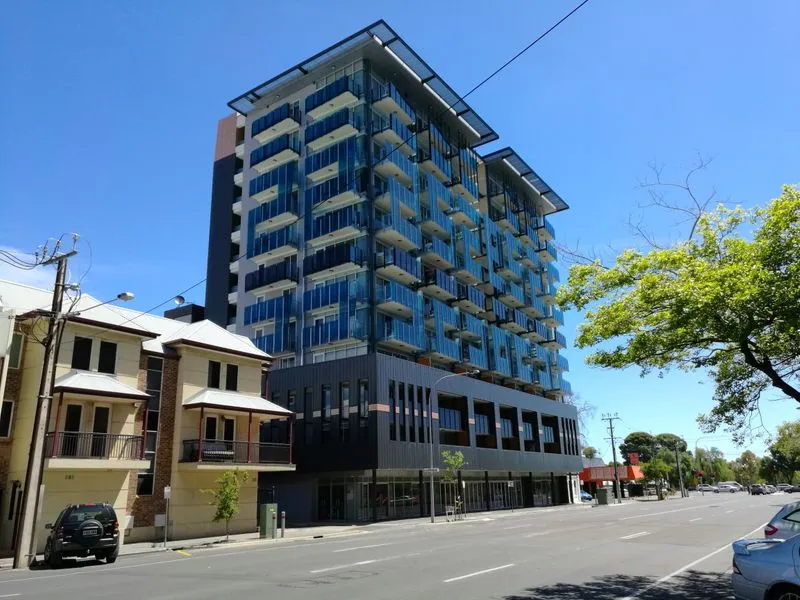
(644, 550)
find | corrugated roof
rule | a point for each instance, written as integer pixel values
(96, 383)
(213, 398)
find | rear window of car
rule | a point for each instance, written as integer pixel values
(84, 513)
(793, 517)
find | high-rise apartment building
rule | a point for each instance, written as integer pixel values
(360, 237)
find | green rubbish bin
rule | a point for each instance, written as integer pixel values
(603, 496)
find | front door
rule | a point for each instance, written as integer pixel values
(71, 444)
(100, 442)
(229, 435)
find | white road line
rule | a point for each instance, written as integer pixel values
(518, 527)
(9, 595)
(727, 512)
(468, 575)
(686, 567)
(635, 535)
(361, 548)
(663, 512)
(337, 567)
(695, 519)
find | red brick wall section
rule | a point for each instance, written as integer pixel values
(145, 508)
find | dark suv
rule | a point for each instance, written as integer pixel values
(81, 530)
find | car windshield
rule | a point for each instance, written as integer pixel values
(85, 513)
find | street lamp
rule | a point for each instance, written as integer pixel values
(430, 430)
(122, 296)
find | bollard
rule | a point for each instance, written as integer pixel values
(274, 525)
(283, 523)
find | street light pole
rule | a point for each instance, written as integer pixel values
(435, 393)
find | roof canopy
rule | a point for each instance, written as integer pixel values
(96, 384)
(519, 166)
(235, 401)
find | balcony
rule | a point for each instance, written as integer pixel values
(474, 356)
(548, 294)
(279, 151)
(389, 101)
(233, 267)
(239, 149)
(266, 187)
(278, 213)
(236, 234)
(398, 265)
(391, 163)
(548, 252)
(236, 207)
(438, 253)
(530, 259)
(337, 226)
(511, 295)
(284, 119)
(545, 229)
(536, 331)
(398, 334)
(552, 273)
(510, 271)
(397, 299)
(439, 314)
(441, 347)
(343, 92)
(77, 451)
(390, 130)
(514, 321)
(529, 236)
(539, 355)
(272, 278)
(333, 129)
(467, 269)
(334, 193)
(470, 299)
(434, 222)
(249, 456)
(561, 365)
(505, 219)
(266, 311)
(394, 230)
(471, 328)
(553, 317)
(395, 193)
(274, 245)
(555, 341)
(439, 285)
(333, 261)
(342, 331)
(276, 343)
(326, 163)
(432, 161)
(465, 213)
(322, 297)
(238, 177)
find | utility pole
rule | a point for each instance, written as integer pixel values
(611, 418)
(25, 550)
(680, 470)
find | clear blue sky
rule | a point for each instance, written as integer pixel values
(109, 110)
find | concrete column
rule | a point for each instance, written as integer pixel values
(498, 438)
(471, 420)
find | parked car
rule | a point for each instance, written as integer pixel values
(757, 489)
(705, 487)
(785, 523)
(726, 487)
(770, 489)
(81, 530)
(766, 569)
(738, 487)
(586, 496)
(785, 487)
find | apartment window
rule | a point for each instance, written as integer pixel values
(213, 374)
(276, 398)
(326, 407)
(107, 362)
(81, 353)
(548, 436)
(450, 418)
(15, 353)
(481, 424)
(392, 413)
(155, 367)
(232, 378)
(344, 407)
(507, 428)
(363, 401)
(527, 431)
(401, 393)
(308, 413)
(291, 399)
(6, 411)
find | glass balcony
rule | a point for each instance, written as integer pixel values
(509, 270)
(323, 296)
(558, 316)
(465, 176)
(344, 329)
(391, 163)
(465, 213)
(278, 213)
(434, 193)
(284, 119)
(548, 294)
(470, 298)
(562, 364)
(334, 193)
(272, 278)
(471, 327)
(539, 354)
(432, 160)
(237, 205)
(394, 230)
(545, 230)
(534, 307)
(434, 222)
(334, 129)
(544, 380)
(389, 101)
(439, 285)
(398, 265)
(273, 154)
(343, 92)
(336, 225)
(530, 259)
(400, 334)
(438, 314)
(548, 252)
(565, 387)
(397, 299)
(344, 156)
(505, 218)
(268, 186)
(390, 130)
(514, 321)
(467, 269)
(442, 347)
(396, 193)
(511, 295)
(267, 310)
(274, 245)
(536, 331)
(474, 356)
(529, 236)
(334, 260)
(438, 253)
(278, 342)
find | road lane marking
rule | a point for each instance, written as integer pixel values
(635, 535)
(360, 548)
(519, 526)
(338, 567)
(663, 512)
(728, 512)
(476, 573)
(182, 553)
(687, 567)
(10, 595)
(695, 519)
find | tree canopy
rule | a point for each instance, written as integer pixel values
(717, 302)
(590, 452)
(638, 441)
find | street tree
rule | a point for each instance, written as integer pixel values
(786, 448)
(590, 452)
(225, 498)
(745, 468)
(638, 441)
(723, 301)
(656, 470)
(670, 440)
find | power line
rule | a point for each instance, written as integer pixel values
(133, 318)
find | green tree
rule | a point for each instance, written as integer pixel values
(453, 463)
(638, 441)
(786, 449)
(225, 498)
(745, 468)
(717, 302)
(590, 452)
(656, 470)
(670, 440)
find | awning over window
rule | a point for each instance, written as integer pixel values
(96, 384)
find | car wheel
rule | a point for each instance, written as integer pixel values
(786, 593)
(51, 557)
(111, 555)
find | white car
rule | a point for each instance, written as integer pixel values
(726, 487)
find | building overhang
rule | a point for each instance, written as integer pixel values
(514, 163)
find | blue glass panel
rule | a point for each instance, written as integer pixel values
(276, 146)
(332, 90)
(286, 111)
